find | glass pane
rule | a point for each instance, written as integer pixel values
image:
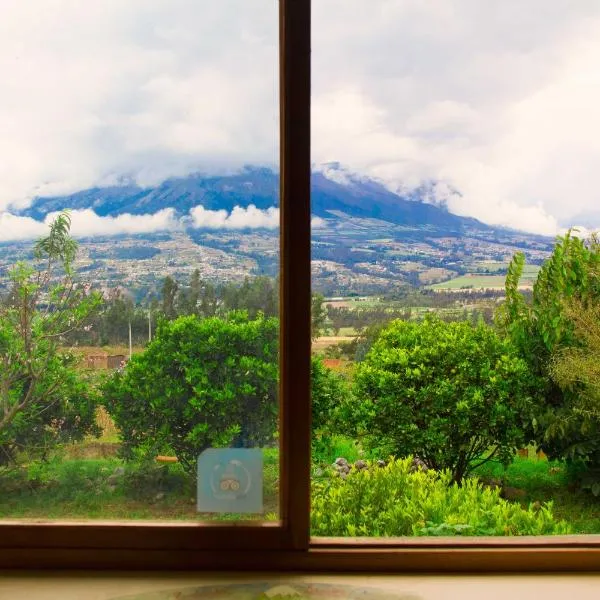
(456, 388)
(139, 257)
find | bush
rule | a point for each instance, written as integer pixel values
(200, 383)
(66, 414)
(393, 501)
(454, 394)
(547, 329)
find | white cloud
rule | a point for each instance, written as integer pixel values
(86, 223)
(14, 228)
(239, 218)
(497, 100)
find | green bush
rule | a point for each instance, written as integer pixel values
(566, 424)
(393, 501)
(65, 413)
(200, 383)
(454, 394)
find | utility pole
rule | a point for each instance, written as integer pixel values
(130, 345)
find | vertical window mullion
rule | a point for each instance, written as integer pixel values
(295, 340)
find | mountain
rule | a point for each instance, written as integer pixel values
(333, 189)
(366, 239)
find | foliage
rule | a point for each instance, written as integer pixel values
(578, 367)
(318, 314)
(393, 501)
(454, 394)
(42, 399)
(200, 383)
(544, 329)
(329, 391)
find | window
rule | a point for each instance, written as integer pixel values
(283, 545)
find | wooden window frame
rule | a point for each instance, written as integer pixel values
(285, 545)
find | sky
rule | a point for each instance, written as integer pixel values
(495, 103)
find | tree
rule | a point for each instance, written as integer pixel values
(43, 400)
(169, 297)
(578, 367)
(543, 328)
(453, 394)
(329, 392)
(200, 383)
(318, 315)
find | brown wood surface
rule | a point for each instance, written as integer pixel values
(295, 276)
(441, 560)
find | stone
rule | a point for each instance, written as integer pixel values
(381, 463)
(341, 461)
(359, 465)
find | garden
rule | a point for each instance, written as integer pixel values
(431, 427)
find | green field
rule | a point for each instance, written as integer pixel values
(479, 281)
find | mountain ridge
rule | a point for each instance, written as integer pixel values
(258, 186)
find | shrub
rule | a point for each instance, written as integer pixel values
(200, 383)
(454, 394)
(66, 414)
(546, 329)
(393, 501)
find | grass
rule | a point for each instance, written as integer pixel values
(108, 488)
(86, 484)
(478, 281)
(544, 481)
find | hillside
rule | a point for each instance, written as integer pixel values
(366, 239)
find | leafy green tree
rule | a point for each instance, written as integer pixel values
(330, 391)
(453, 394)
(578, 367)
(169, 297)
(200, 383)
(256, 295)
(43, 401)
(318, 315)
(544, 328)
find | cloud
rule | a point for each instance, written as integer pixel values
(239, 218)
(86, 223)
(14, 228)
(497, 100)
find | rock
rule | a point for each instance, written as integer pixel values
(341, 461)
(381, 463)
(359, 465)
(319, 472)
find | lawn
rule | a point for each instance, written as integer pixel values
(543, 481)
(77, 488)
(108, 488)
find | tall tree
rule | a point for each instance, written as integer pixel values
(42, 398)
(169, 297)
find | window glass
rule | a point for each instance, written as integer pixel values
(455, 312)
(139, 258)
